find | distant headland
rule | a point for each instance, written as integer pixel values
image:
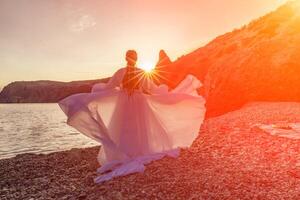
(44, 91)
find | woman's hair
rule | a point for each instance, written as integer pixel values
(131, 79)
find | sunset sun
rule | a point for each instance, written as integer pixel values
(147, 66)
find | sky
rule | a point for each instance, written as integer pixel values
(68, 40)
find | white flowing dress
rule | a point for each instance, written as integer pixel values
(137, 129)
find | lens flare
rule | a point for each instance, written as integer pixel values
(147, 66)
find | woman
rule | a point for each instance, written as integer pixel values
(134, 120)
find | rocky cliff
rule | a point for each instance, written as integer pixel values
(259, 62)
(43, 91)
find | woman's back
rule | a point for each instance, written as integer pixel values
(131, 80)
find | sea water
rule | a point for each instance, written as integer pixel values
(37, 128)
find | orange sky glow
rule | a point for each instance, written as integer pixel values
(68, 40)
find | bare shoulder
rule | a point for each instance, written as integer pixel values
(121, 71)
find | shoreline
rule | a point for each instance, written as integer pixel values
(232, 158)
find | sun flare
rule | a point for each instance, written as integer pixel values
(147, 66)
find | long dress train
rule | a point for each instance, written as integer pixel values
(136, 129)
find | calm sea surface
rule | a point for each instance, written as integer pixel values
(36, 128)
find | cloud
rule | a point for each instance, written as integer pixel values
(84, 22)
